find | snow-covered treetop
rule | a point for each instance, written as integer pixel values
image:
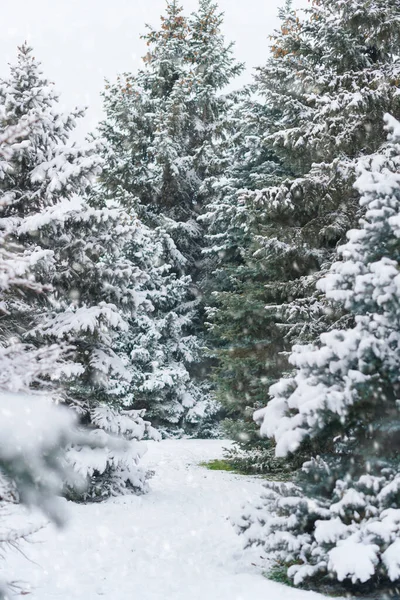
(210, 55)
(166, 55)
(332, 74)
(371, 35)
(54, 166)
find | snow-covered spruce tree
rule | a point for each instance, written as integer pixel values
(107, 289)
(146, 119)
(331, 76)
(212, 68)
(35, 435)
(161, 126)
(156, 345)
(341, 520)
(162, 123)
(91, 285)
(241, 332)
(22, 366)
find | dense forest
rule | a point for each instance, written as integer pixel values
(215, 262)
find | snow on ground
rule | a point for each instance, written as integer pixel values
(176, 543)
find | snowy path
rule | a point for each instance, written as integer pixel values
(173, 544)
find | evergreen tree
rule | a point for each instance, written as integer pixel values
(212, 69)
(146, 138)
(157, 345)
(90, 286)
(241, 334)
(162, 129)
(35, 434)
(329, 79)
(23, 366)
(340, 521)
(163, 122)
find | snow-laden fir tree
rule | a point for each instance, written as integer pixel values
(212, 69)
(157, 347)
(22, 366)
(91, 287)
(341, 520)
(163, 121)
(145, 130)
(240, 331)
(161, 130)
(35, 434)
(330, 77)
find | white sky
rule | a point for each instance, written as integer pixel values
(81, 42)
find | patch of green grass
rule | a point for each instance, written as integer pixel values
(221, 465)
